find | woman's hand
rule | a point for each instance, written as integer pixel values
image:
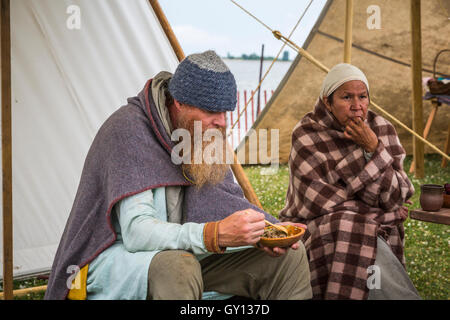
(361, 134)
(403, 210)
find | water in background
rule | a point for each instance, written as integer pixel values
(246, 73)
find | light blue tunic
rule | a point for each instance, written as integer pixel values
(140, 221)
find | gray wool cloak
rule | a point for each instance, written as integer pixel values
(130, 154)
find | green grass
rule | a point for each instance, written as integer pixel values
(28, 283)
(426, 244)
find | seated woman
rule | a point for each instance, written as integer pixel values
(348, 185)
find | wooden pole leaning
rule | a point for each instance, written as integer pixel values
(427, 129)
(6, 150)
(348, 31)
(167, 29)
(446, 148)
(416, 73)
(235, 166)
(303, 52)
(243, 181)
(24, 292)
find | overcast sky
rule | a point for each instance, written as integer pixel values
(220, 25)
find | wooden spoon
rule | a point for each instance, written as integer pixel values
(278, 227)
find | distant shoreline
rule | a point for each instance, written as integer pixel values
(256, 57)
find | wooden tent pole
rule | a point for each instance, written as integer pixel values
(348, 31)
(446, 148)
(167, 29)
(24, 292)
(6, 150)
(238, 171)
(243, 181)
(426, 131)
(416, 69)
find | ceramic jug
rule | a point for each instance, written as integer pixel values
(431, 197)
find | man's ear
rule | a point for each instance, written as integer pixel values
(177, 104)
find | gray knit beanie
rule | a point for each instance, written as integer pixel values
(204, 81)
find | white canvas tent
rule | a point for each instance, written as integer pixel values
(73, 63)
(67, 76)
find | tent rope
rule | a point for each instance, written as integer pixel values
(273, 61)
(321, 66)
(251, 15)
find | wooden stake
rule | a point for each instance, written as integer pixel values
(348, 31)
(261, 62)
(446, 148)
(416, 68)
(426, 130)
(243, 181)
(245, 110)
(6, 150)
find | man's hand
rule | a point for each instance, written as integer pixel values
(241, 228)
(277, 251)
(361, 134)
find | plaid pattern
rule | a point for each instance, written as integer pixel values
(345, 201)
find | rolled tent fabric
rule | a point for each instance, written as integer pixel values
(73, 64)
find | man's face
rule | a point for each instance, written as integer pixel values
(210, 120)
(203, 173)
(350, 100)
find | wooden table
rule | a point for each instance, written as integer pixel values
(442, 216)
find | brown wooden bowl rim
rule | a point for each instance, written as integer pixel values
(299, 234)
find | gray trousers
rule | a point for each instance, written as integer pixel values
(251, 273)
(394, 281)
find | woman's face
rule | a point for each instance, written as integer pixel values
(350, 100)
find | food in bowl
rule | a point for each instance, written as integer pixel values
(275, 238)
(271, 232)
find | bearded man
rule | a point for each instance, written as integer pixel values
(143, 226)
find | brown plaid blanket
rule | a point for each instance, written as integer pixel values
(345, 200)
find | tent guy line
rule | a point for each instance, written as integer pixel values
(273, 61)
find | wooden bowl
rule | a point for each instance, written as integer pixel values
(446, 201)
(295, 233)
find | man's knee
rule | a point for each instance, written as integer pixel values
(298, 264)
(298, 257)
(175, 274)
(303, 256)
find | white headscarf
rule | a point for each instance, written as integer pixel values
(340, 74)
